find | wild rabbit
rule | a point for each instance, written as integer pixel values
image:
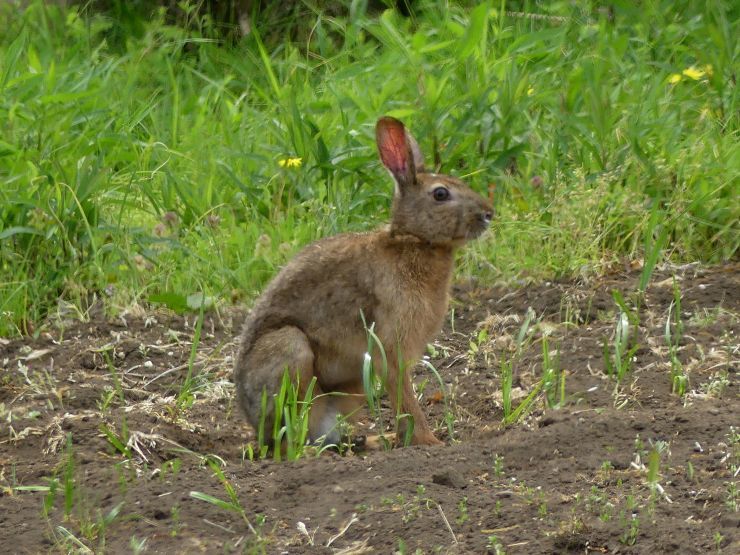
(309, 319)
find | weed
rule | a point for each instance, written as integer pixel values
(175, 518)
(410, 508)
(553, 376)
(462, 511)
(631, 524)
(449, 416)
(512, 415)
(498, 465)
(718, 540)
(656, 237)
(185, 396)
(494, 545)
(233, 504)
(542, 510)
(506, 385)
(525, 405)
(732, 458)
(673, 335)
(618, 362)
(716, 385)
(292, 430)
(475, 344)
(118, 441)
(137, 545)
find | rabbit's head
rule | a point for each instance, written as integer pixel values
(438, 209)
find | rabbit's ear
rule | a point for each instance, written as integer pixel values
(416, 153)
(396, 151)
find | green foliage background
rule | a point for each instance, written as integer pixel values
(141, 161)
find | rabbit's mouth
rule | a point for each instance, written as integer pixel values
(479, 226)
(469, 235)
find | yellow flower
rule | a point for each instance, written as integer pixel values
(693, 72)
(530, 91)
(290, 162)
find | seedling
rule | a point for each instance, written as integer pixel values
(631, 524)
(495, 546)
(656, 237)
(498, 466)
(186, 395)
(289, 433)
(233, 504)
(462, 511)
(619, 362)
(673, 335)
(553, 376)
(506, 384)
(475, 345)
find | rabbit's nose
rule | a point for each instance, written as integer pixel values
(486, 216)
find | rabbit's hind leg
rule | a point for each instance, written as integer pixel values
(262, 368)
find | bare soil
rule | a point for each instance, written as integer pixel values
(624, 467)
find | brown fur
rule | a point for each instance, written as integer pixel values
(308, 319)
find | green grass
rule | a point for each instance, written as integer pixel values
(144, 160)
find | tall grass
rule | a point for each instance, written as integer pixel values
(135, 164)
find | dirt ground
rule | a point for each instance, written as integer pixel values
(628, 467)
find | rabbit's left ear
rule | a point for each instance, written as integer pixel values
(396, 148)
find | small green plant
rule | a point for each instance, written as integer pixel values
(523, 408)
(68, 478)
(716, 385)
(232, 505)
(94, 529)
(673, 334)
(498, 465)
(718, 539)
(631, 524)
(542, 509)
(507, 376)
(553, 376)
(292, 432)
(409, 508)
(449, 415)
(374, 380)
(494, 545)
(375, 383)
(475, 345)
(462, 511)
(137, 545)
(175, 518)
(289, 433)
(119, 441)
(186, 394)
(656, 237)
(511, 414)
(171, 467)
(618, 362)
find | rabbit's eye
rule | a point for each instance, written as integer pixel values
(441, 193)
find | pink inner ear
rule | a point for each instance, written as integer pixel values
(394, 152)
